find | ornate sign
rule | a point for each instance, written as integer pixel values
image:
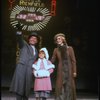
(32, 14)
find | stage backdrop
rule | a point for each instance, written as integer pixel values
(48, 17)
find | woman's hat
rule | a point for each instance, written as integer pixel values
(59, 34)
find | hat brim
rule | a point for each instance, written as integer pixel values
(35, 35)
(59, 34)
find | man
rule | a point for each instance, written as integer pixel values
(22, 80)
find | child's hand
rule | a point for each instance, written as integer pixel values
(35, 73)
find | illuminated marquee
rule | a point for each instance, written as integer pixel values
(30, 17)
(32, 14)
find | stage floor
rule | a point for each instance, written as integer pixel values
(5, 95)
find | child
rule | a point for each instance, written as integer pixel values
(42, 70)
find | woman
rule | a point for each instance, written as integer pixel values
(66, 69)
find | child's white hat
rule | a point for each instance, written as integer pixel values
(46, 52)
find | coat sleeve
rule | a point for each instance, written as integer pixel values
(20, 39)
(53, 58)
(73, 60)
(50, 67)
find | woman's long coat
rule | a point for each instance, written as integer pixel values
(23, 77)
(65, 85)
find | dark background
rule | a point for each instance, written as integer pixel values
(78, 20)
